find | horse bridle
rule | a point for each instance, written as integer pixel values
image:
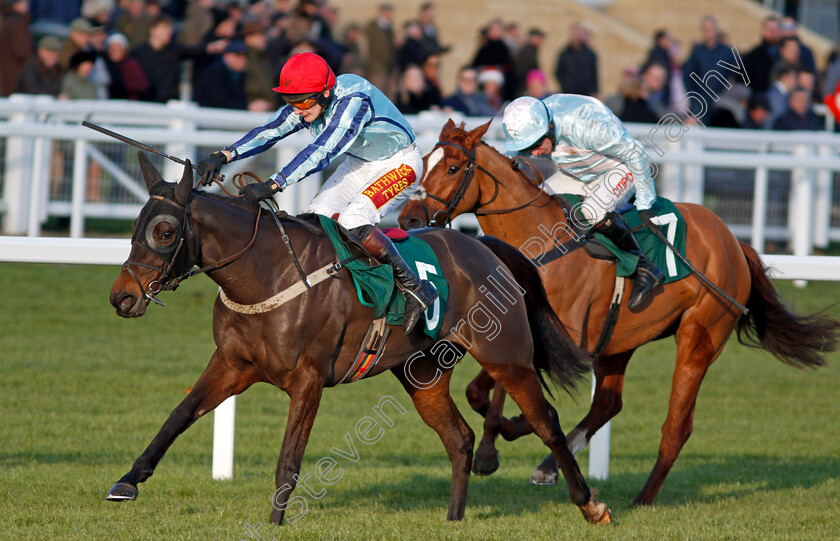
(461, 190)
(166, 282)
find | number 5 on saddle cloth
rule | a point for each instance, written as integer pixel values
(376, 288)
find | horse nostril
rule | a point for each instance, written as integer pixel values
(412, 223)
(123, 301)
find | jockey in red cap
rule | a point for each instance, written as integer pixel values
(346, 115)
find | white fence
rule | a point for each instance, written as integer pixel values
(776, 186)
(115, 251)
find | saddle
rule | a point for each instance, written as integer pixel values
(591, 244)
(600, 247)
(396, 234)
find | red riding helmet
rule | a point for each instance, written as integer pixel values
(303, 74)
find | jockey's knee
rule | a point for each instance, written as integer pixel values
(357, 213)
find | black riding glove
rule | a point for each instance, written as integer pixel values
(258, 191)
(209, 168)
(646, 217)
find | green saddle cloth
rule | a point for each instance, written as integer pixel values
(672, 225)
(375, 284)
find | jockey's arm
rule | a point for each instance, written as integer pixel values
(606, 134)
(345, 124)
(281, 124)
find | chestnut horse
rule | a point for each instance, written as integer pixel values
(308, 343)
(511, 207)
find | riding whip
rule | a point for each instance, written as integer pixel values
(220, 177)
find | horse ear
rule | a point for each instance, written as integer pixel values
(185, 186)
(150, 173)
(449, 126)
(478, 133)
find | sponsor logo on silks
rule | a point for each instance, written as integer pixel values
(622, 185)
(390, 185)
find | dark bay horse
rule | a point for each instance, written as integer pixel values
(515, 209)
(308, 343)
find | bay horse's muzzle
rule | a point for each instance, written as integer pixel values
(412, 216)
(127, 298)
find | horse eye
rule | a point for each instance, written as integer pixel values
(453, 169)
(166, 235)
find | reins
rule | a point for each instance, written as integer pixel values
(464, 184)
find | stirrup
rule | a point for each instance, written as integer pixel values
(425, 287)
(414, 303)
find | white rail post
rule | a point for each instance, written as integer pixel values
(172, 171)
(599, 449)
(822, 201)
(670, 178)
(80, 181)
(18, 170)
(801, 222)
(224, 417)
(693, 185)
(39, 186)
(759, 217)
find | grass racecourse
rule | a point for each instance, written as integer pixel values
(84, 391)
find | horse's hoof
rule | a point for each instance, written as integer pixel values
(122, 492)
(485, 465)
(542, 477)
(640, 502)
(597, 512)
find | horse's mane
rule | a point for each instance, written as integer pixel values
(239, 203)
(252, 207)
(234, 201)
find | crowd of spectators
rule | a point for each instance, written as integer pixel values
(231, 53)
(779, 92)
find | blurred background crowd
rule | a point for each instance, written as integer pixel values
(228, 54)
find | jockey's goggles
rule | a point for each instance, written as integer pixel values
(304, 104)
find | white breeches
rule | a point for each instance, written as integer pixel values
(361, 192)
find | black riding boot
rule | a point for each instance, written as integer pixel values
(419, 294)
(647, 275)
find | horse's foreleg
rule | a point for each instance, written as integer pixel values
(696, 350)
(606, 403)
(436, 408)
(486, 460)
(304, 386)
(216, 383)
(524, 387)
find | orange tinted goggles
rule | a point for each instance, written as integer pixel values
(303, 105)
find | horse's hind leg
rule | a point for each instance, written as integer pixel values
(478, 392)
(606, 403)
(486, 460)
(216, 383)
(523, 386)
(697, 348)
(436, 408)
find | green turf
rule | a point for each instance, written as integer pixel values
(84, 391)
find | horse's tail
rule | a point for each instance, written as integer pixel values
(555, 353)
(799, 341)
